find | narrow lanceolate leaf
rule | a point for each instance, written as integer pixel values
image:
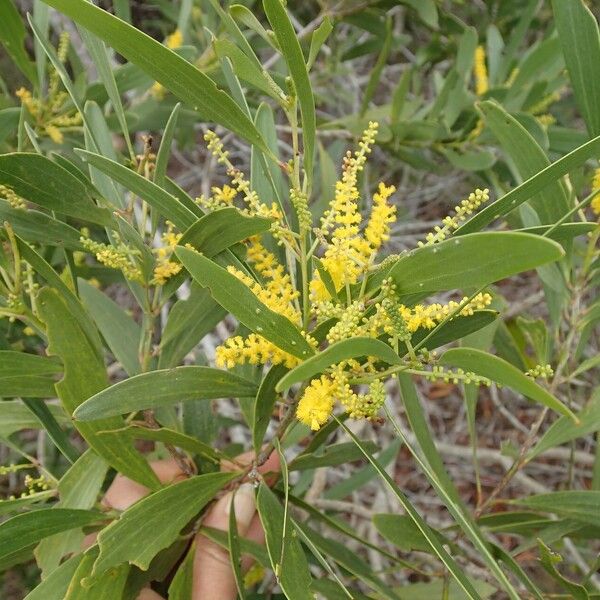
(163, 388)
(532, 186)
(166, 204)
(331, 456)
(85, 375)
(344, 350)
(502, 372)
(292, 53)
(111, 585)
(428, 533)
(471, 261)
(47, 184)
(264, 404)
(529, 159)
(285, 551)
(27, 375)
(121, 332)
(580, 40)
(153, 523)
(220, 229)
(57, 583)
(29, 528)
(235, 296)
(581, 505)
(565, 430)
(12, 37)
(35, 226)
(172, 71)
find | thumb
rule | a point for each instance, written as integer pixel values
(213, 576)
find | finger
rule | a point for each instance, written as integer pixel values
(213, 576)
(255, 533)
(124, 492)
(245, 459)
(148, 594)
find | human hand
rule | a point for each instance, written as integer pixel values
(213, 575)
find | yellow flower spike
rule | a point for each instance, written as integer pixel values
(12, 198)
(175, 40)
(480, 71)
(316, 405)
(225, 195)
(595, 204)
(466, 207)
(165, 268)
(382, 215)
(114, 257)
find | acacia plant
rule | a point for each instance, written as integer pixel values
(330, 333)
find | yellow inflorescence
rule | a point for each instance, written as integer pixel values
(348, 253)
(595, 204)
(480, 71)
(278, 294)
(166, 268)
(115, 257)
(316, 405)
(239, 185)
(12, 198)
(466, 207)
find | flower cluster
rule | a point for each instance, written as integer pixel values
(119, 256)
(348, 251)
(466, 207)
(480, 72)
(12, 198)
(277, 293)
(542, 371)
(596, 187)
(53, 114)
(165, 267)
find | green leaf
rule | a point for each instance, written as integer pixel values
(164, 150)
(175, 438)
(181, 587)
(27, 375)
(166, 204)
(78, 488)
(565, 430)
(331, 456)
(318, 38)
(121, 332)
(14, 416)
(111, 585)
(343, 350)
(292, 53)
(12, 37)
(53, 429)
(57, 583)
(529, 159)
(189, 321)
(532, 186)
(165, 66)
(221, 229)
(163, 388)
(502, 372)
(580, 40)
(84, 375)
(401, 531)
(35, 226)
(235, 296)
(20, 532)
(580, 505)
(471, 261)
(154, 522)
(428, 533)
(434, 469)
(263, 406)
(548, 560)
(47, 184)
(235, 553)
(292, 573)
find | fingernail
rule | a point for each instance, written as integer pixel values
(244, 504)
